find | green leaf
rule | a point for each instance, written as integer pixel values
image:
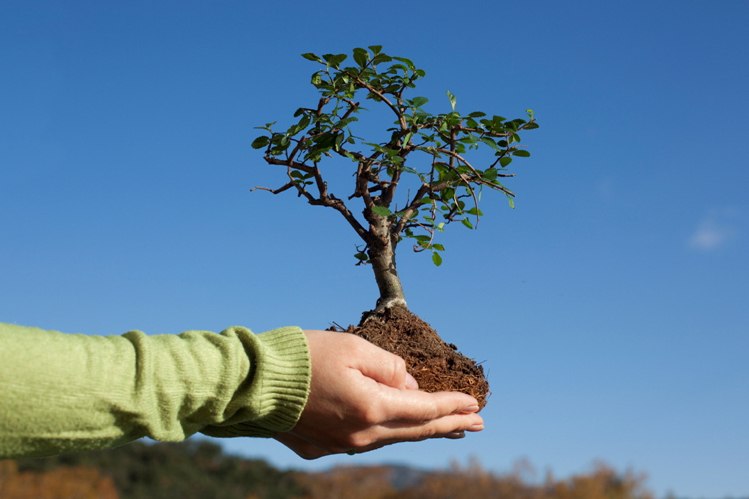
(380, 58)
(438, 247)
(511, 202)
(490, 143)
(521, 153)
(383, 211)
(311, 57)
(339, 58)
(467, 223)
(376, 49)
(505, 161)
(260, 142)
(334, 60)
(408, 62)
(326, 139)
(437, 259)
(361, 57)
(419, 101)
(477, 114)
(452, 99)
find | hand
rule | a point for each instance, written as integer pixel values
(362, 398)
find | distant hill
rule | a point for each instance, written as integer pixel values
(200, 469)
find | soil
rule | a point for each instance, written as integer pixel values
(436, 365)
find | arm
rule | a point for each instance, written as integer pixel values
(62, 392)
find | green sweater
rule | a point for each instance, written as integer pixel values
(63, 392)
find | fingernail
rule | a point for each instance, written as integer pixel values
(411, 382)
(477, 427)
(471, 408)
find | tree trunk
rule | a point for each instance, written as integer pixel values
(382, 257)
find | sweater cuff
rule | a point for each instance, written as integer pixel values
(276, 388)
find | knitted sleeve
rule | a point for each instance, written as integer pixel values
(62, 392)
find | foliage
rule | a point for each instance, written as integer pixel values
(194, 469)
(79, 482)
(429, 152)
(198, 469)
(475, 481)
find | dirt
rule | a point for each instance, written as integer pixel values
(436, 365)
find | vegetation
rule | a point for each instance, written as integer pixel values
(199, 469)
(194, 469)
(415, 179)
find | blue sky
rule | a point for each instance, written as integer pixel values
(610, 308)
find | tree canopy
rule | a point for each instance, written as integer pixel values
(433, 151)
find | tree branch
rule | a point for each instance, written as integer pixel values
(411, 208)
(478, 179)
(290, 164)
(401, 119)
(274, 191)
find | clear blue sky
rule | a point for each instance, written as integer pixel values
(610, 308)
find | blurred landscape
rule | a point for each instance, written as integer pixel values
(201, 469)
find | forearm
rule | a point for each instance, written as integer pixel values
(69, 392)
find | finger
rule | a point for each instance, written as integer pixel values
(440, 427)
(418, 406)
(407, 435)
(456, 435)
(384, 367)
(453, 426)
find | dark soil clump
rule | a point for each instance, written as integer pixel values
(436, 365)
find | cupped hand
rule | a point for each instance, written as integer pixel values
(362, 398)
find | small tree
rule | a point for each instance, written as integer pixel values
(423, 158)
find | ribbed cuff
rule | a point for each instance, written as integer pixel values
(277, 386)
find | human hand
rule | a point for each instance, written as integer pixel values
(362, 398)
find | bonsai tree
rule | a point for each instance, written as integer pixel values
(412, 177)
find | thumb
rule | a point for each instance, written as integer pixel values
(384, 367)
